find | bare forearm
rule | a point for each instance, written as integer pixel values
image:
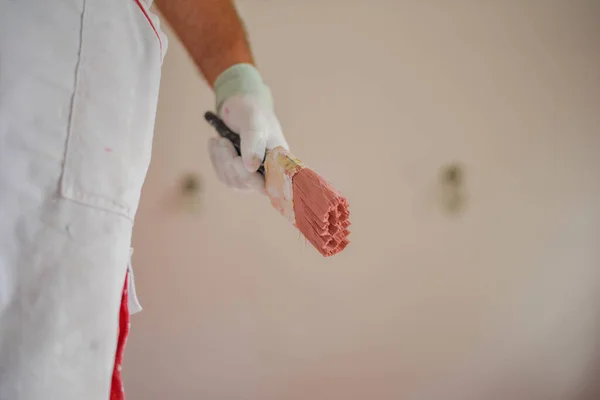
(211, 31)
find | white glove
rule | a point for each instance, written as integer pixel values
(244, 103)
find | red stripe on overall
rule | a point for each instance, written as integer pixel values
(116, 390)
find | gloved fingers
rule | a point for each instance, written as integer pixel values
(222, 153)
(245, 115)
(230, 167)
(251, 180)
(226, 156)
(234, 179)
(253, 143)
(216, 158)
(259, 129)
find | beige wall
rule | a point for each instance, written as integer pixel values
(378, 96)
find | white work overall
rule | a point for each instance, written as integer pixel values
(79, 85)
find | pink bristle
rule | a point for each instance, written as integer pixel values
(321, 212)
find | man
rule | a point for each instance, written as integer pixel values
(78, 91)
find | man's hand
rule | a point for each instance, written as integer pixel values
(259, 130)
(244, 103)
(213, 34)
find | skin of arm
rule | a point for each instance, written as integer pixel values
(211, 31)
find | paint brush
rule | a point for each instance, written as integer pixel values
(319, 211)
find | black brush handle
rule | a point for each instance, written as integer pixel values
(224, 131)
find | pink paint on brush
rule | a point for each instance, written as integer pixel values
(321, 212)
